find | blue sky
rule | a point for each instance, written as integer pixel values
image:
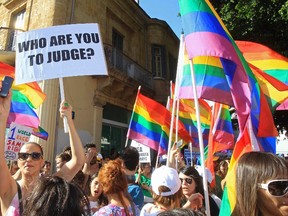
(165, 10)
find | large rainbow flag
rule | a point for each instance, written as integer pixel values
(150, 124)
(25, 98)
(206, 35)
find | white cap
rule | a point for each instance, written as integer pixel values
(165, 176)
(209, 175)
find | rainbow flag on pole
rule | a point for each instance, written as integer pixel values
(150, 124)
(206, 35)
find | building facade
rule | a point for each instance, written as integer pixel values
(139, 50)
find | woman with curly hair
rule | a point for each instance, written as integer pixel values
(115, 185)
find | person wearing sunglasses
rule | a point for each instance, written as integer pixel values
(192, 183)
(30, 162)
(261, 185)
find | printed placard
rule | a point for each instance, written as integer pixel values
(144, 152)
(59, 51)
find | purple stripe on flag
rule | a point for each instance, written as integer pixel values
(143, 139)
(208, 93)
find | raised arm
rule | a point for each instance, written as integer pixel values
(72, 167)
(7, 183)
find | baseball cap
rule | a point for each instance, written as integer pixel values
(209, 175)
(165, 176)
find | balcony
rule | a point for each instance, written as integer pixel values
(122, 63)
(7, 44)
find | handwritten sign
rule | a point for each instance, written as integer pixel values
(59, 51)
(17, 136)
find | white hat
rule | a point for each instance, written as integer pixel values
(165, 176)
(209, 175)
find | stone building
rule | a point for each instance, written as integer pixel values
(139, 51)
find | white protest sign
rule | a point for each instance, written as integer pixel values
(144, 152)
(17, 136)
(59, 51)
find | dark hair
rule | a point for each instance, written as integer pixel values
(89, 145)
(55, 196)
(34, 143)
(64, 156)
(193, 173)
(130, 157)
(181, 212)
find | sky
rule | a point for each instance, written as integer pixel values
(166, 10)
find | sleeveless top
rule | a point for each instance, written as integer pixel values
(16, 207)
(13, 209)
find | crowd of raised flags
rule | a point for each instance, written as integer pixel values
(248, 76)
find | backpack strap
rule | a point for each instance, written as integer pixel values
(20, 198)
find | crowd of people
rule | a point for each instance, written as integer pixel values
(84, 184)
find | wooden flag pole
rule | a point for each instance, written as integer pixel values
(200, 136)
(61, 85)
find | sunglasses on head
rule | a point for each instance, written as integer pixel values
(34, 155)
(276, 188)
(187, 180)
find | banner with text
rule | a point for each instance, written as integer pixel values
(144, 152)
(59, 51)
(17, 136)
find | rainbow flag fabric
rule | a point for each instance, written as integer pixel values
(206, 35)
(150, 124)
(187, 115)
(40, 132)
(274, 81)
(25, 98)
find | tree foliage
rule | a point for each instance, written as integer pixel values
(262, 21)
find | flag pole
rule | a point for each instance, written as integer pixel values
(127, 135)
(61, 85)
(200, 136)
(179, 67)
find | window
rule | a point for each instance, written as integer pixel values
(17, 23)
(158, 61)
(117, 40)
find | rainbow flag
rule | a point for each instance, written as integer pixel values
(40, 132)
(187, 115)
(242, 146)
(265, 59)
(259, 135)
(221, 136)
(274, 65)
(150, 124)
(206, 35)
(25, 98)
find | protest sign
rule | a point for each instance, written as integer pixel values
(17, 136)
(59, 51)
(144, 152)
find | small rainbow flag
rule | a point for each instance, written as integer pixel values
(40, 132)
(25, 98)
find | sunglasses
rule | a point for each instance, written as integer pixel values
(34, 156)
(276, 188)
(187, 180)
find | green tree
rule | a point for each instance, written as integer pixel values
(262, 21)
